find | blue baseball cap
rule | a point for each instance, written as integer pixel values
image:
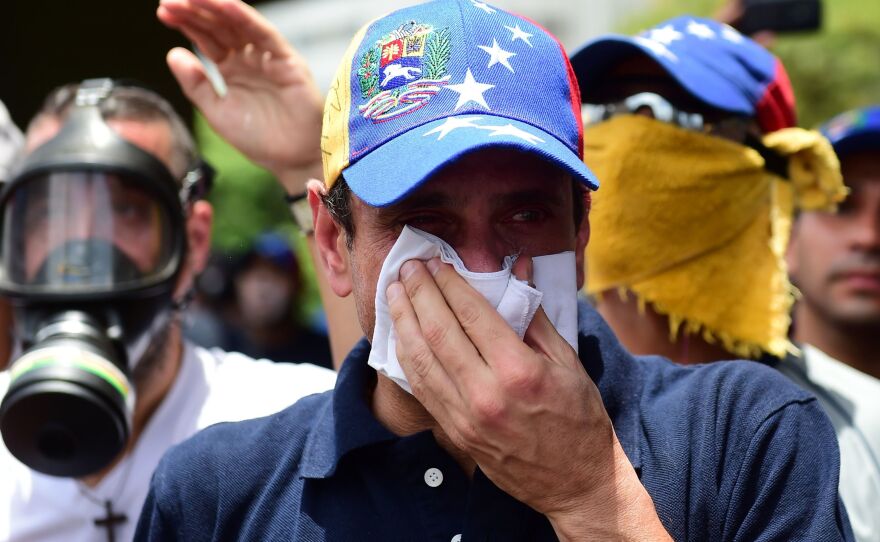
(713, 62)
(425, 85)
(854, 131)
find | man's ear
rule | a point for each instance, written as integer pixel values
(198, 236)
(330, 242)
(581, 239)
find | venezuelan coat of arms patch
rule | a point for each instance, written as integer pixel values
(403, 70)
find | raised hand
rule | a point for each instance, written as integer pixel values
(271, 111)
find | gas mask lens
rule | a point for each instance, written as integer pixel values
(81, 232)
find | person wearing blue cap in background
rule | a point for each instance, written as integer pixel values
(267, 285)
(690, 127)
(834, 260)
(438, 121)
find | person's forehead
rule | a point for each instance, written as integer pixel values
(491, 173)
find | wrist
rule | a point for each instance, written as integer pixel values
(294, 178)
(618, 508)
(301, 211)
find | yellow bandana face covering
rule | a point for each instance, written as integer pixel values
(695, 225)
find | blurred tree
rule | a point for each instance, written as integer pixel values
(835, 69)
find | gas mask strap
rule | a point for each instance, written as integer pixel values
(197, 183)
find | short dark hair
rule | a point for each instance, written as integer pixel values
(338, 204)
(129, 102)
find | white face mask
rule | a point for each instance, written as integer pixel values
(263, 296)
(555, 290)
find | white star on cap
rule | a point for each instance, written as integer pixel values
(483, 6)
(497, 55)
(511, 130)
(470, 91)
(452, 123)
(657, 47)
(518, 33)
(665, 35)
(730, 34)
(700, 30)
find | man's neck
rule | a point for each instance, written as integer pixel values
(150, 394)
(643, 331)
(402, 414)
(856, 345)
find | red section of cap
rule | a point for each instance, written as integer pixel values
(776, 109)
(574, 91)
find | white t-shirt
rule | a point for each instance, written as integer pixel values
(212, 386)
(851, 399)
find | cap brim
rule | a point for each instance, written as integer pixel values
(593, 62)
(399, 166)
(857, 141)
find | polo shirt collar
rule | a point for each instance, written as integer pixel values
(348, 422)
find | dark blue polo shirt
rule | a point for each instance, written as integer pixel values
(728, 451)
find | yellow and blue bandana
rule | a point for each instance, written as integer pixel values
(425, 85)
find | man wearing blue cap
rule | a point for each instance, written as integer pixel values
(834, 260)
(483, 407)
(690, 127)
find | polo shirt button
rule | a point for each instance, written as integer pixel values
(433, 477)
(456, 538)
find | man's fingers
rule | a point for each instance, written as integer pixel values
(429, 381)
(199, 31)
(249, 25)
(486, 329)
(541, 334)
(523, 270)
(206, 19)
(441, 330)
(190, 75)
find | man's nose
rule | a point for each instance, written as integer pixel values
(80, 221)
(81, 224)
(482, 253)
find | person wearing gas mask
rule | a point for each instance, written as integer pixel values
(11, 142)
(691, 127)
(482, 407)
(104, 228)
(834, 260)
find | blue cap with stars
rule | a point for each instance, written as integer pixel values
(713, 62)
(854, 131)
(425, 85)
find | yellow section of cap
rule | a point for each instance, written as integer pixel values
(334, 130)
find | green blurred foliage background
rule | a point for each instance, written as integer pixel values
(247, 202)
(833, 70)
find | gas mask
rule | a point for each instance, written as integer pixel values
(93, 241)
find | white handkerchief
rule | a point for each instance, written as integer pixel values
(555, 289)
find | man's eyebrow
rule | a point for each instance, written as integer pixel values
(546, 197)
(418, 201)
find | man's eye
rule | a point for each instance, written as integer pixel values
(421, 220)
(526, 215)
